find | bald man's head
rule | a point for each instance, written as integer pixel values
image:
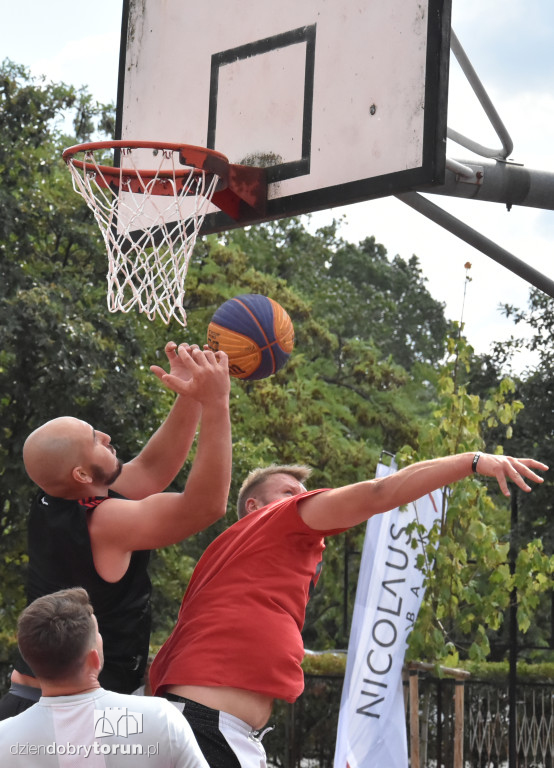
(59, 457)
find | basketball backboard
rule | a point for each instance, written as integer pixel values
(340, 100)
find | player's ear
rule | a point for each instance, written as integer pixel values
(251, 505)
(81, 476)
(94, 660)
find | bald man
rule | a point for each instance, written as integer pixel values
(95, 519)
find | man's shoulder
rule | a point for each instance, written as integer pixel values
(289, 504)
(44, 502)
(13, 727)
(109, 700)
(5, 724)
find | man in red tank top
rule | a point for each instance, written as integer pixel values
(237, 644)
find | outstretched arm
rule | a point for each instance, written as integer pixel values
(119, 526)
(352, 504)
(159, 462)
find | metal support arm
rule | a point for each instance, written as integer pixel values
(507, 183)
(486, 103)
(477, 240)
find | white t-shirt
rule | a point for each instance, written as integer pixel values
(100, 729)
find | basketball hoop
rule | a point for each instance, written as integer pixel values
(150, 210)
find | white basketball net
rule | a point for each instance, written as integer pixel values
(149, 236)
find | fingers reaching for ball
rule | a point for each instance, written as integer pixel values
(197, 373)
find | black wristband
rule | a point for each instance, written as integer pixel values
(475, 460)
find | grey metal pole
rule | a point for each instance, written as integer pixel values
(497, 182)
(477, 240)
(486, 103)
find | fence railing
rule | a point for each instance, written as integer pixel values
(488, 726)
(305, 733)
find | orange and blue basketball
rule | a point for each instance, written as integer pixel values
(255, 332)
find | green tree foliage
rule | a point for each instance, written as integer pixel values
(356, 289)
(340, 399)
(466, 565)
(59, 352)
(535, 431)
(532, 436)
(361, 378)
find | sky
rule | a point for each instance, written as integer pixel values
(510, 43)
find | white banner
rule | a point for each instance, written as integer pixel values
(372, 722)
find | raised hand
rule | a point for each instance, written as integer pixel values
(506, 468)
(200, 374)
(176, 367)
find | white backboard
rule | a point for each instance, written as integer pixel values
(340, 101)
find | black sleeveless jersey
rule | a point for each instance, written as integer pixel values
(60, 557)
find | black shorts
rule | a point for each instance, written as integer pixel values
(225, 741)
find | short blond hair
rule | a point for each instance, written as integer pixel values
(258, 476)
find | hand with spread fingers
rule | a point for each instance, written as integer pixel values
(508, 469)
(176, 367)
(197, 373)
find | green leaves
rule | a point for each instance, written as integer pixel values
(337, 403)
(367, 373)
(356, 290)
(469, 580)
(60, 352)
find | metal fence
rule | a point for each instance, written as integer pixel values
(487, 726)
(305, 733)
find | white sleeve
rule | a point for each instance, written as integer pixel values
(183, 747)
